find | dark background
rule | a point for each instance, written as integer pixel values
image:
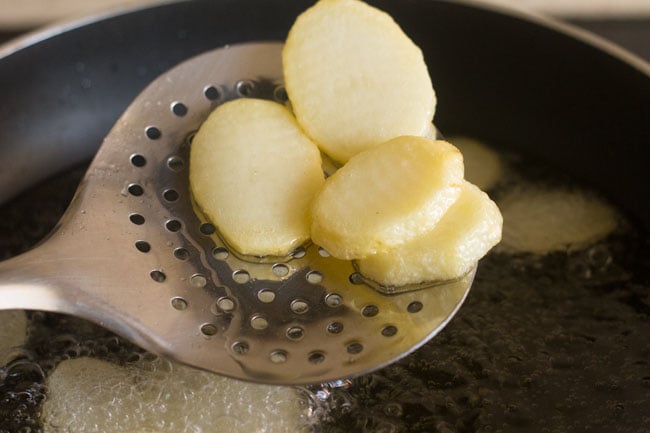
(632, 34)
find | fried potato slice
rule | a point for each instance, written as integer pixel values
(386, 195)
(470, 228)
(354, 78)
(541, 219)
(254, 174)
(484, 167)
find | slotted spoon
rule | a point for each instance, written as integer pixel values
(133, 254)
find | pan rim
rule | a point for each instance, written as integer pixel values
(39, 35)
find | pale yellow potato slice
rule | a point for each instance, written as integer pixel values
(254, 173)
(483, 165)
(470, 228)
(386, 195)
(354, 78)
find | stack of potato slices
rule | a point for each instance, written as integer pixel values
(360, 94)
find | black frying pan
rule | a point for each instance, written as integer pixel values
(499, 77)
(531, 86)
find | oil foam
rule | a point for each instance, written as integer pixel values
(543, 219)
(156, 396)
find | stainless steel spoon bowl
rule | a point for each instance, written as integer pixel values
(133, 254)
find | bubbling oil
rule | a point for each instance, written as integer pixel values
(151, 393)
(549, 340)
